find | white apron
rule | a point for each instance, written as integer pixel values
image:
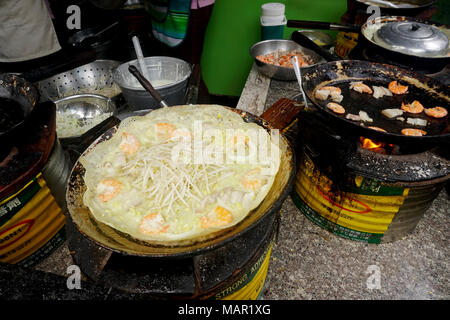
(26, 31)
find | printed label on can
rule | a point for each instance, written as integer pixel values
(363, 211)
(248, 286)
(29, 219)
(345, 43)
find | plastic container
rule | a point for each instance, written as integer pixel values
(273, 21)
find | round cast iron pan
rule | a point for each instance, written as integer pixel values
(24, 94)
(116, 241)
(429, 92)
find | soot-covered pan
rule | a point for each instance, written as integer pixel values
(428, 92)
(17, 100)
(114, 240)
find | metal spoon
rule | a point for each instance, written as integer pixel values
(299, 77)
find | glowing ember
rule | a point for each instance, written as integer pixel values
(378, 147)
(370, 144)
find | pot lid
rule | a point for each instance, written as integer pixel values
(411, 37)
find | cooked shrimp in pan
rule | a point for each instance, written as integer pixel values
(332, 89)
(108, 189)
(436, 112)
(268, 58)
(129, 143)
(414, 107)
(326, 91)
(360, 87)
(336, 108)
(397, 88)
(153, 224)
(377, 129)
(251, 181)
(164, 130)
(413, 132)
(217, 218)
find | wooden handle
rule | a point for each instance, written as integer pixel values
(147, 85)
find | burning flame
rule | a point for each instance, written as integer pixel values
(366, 143)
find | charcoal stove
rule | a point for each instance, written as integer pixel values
(33, 168)
(236, 270)
(376, 193)
(233, 267)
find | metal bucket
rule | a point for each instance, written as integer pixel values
(159, 69)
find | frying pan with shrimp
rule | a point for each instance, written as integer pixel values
(343, 74)
(105, 236)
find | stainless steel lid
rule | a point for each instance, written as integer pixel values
(412, 37)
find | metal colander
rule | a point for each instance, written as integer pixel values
(95, 77)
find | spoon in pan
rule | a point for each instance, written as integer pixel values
(299, 77)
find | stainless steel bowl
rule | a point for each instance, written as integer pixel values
(84, 108)
(277, 72)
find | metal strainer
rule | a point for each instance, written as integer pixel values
(95, 77)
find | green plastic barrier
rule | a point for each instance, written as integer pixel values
(233, 28)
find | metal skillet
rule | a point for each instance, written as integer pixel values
(429, 92)
(111, 239)
(114, 240)
(23, 97)
(106, 237)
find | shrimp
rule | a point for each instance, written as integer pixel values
(285, 60)
(413, 132)
(164, 130)
(129, 143)
(377, 129)
(360, 87)
(217, 218)
(332, 89)
(396, 88)
(108, 189)
(436, 112)
(153, 224)
(250, 181)
(336, 108)
(334, 92)
(268, 58)
(414, 107)
(183, 134)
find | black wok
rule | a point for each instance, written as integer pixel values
(429, 92)
(17, 100)
(113, 240)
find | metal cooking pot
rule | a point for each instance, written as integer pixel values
(409, 40)
(159, 69)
